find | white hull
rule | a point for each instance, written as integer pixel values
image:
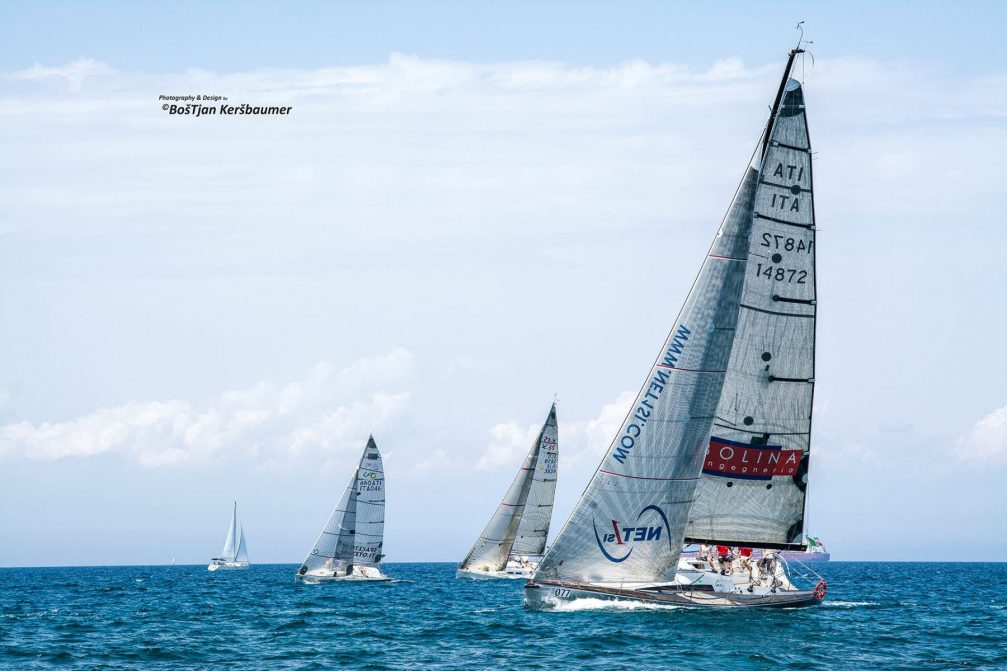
(359, 574)
(514, 570)
(508, 574)
(693, 586)
(227, 566)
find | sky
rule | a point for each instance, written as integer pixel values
(471, 208)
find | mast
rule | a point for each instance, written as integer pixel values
(779, 99)
(234, 530)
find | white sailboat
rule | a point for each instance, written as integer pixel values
(513, 542)
(715, 449)
(235, 553)
(349, 547)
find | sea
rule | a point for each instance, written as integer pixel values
(876, 616)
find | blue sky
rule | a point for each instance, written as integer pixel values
(471, 208)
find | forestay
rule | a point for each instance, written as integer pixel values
(533, 530)
(752, 490)
(630, 520)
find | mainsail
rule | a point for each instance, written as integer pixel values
(354, 533)
(532, 490)
(370, 515)
(752, 490)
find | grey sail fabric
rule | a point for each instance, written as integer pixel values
(369, 531)
(333, 550)
(493, 547)
(754, 480)
(630, 521)
(536, 517)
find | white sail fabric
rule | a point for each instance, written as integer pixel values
(533, 530)
(752, 490)
(369, 530)
(333, 550)
(630, 521)
(230, 549)
(242, 554)
(493, 547)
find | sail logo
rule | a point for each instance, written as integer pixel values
(731, 459)
(617, 545)
(645, 408)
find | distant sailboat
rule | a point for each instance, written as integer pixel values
(514, 540)
(715, 449)
(349, 547)
(235, 554)
(816, 552)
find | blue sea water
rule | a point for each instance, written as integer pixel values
(877, 616)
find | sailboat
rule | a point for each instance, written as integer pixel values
(716, 445)
(235, 553)
(349, 547)
(514, 540)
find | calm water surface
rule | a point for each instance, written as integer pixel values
(877, 616)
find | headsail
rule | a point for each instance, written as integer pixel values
(533, 531)
(494, 546)
(230, 544)
(370, 518)
(754, 481)
(334, 547)
(630, 520)
(242, 554)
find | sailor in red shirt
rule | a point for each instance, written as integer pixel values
(746, 561)
(724, 554)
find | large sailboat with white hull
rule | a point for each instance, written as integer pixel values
(349, 546)
(235, 553)
(513, 542)
(715, 449)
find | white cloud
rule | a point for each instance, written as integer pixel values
(74, 73)
(372, 147)
(580, 440)
(986, 443)
(329, 410)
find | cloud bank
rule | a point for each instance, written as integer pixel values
(986, 442)
(328, 410)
